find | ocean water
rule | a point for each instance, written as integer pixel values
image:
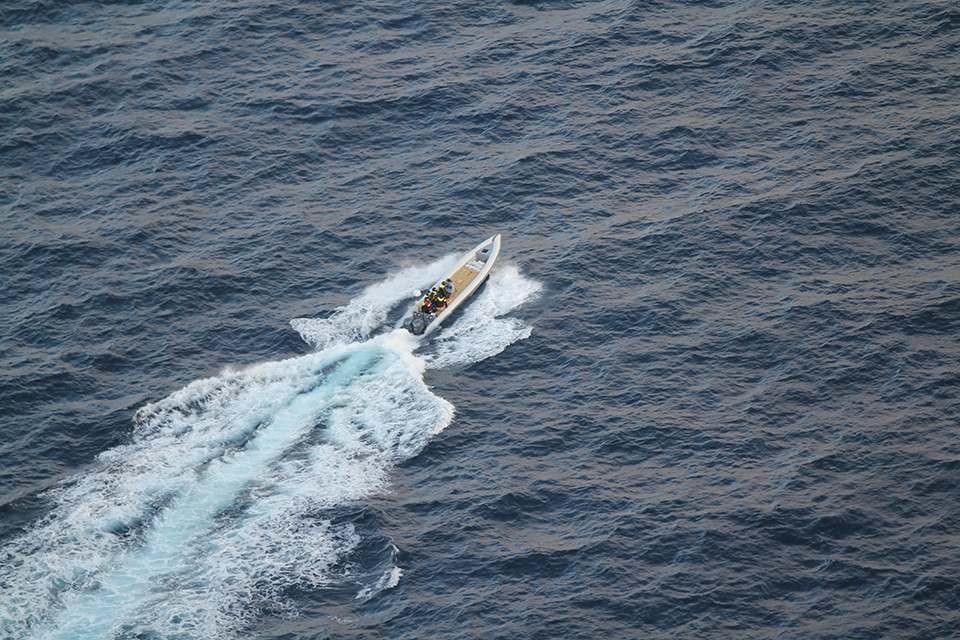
(710, 389)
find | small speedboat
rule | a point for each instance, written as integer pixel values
(434, 306)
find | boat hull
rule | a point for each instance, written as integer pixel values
(471, 271)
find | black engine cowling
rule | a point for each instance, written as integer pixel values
(416, 324)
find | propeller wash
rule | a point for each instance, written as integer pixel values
(219, 505)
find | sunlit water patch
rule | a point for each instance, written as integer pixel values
(221, 505)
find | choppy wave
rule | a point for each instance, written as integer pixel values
(737, 411)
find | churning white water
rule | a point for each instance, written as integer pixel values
(218, 507)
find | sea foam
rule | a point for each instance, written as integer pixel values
(220, 505)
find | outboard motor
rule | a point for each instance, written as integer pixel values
(415, 324)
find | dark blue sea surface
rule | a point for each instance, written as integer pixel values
(710, 390)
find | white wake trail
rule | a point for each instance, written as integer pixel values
(221, 502)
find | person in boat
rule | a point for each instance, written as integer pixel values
(434, 302)
(441, 296)
(426, 305)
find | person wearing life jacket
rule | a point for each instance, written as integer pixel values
(427, 305)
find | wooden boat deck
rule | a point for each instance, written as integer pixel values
(464, 276)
